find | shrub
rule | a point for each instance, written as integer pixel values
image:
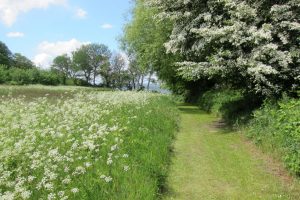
(277, 128)
(3, 74)
(49, 78)
(232, 105)
(19, 76)
(213, 100)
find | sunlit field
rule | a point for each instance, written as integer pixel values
(72, 143)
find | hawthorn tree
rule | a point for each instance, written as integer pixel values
(249, 44)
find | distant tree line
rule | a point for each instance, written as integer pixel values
(97, 65)
(16, 69)
(90, 65)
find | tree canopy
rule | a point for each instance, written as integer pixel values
(21, 61)
(249, 44)
(6, 56)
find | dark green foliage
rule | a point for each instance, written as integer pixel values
(49, 78)
(20, 61)
(3, 74)
(5, 55)
(62, 65)
(21, 77)
(17, 76)
(234, 106)
(277, 128)
(213, 100)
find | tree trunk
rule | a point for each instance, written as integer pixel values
(149, 80)
(133, 84)
(94, 81)
(138, 82)
(64, 80)
(142, 82)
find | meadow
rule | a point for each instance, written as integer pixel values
(74, 143)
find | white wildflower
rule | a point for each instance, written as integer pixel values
(51, 196)
(108, 179)
(126, 168)
(26, 194)
(74, 190)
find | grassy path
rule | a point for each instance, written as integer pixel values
(212, 163)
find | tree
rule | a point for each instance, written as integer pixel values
(62, 64)
(81, 62)
(106, 74)
(6, 57)
(119, 73)
(22, 62)
(143, 40)
(92, 60)
(99, 56)
(249, 44)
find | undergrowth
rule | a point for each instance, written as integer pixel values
(274, 125)
(277, 128)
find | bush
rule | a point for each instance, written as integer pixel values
(213, 100)
(49, 78)
(3, 74)
(277, 128)
(232, 105)
(19, 76)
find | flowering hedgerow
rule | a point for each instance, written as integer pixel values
(82, 147)
(248, 44)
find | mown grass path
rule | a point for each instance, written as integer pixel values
(213, 163)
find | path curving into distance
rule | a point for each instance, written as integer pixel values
(211, 162)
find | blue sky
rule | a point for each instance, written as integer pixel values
(43, 29)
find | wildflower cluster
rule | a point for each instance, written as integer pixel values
(52, 150)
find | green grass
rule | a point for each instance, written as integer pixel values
(215, 163)
(276, 128)
(34, 91)
(63, 148)
(273, 125)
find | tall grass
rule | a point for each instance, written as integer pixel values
(92, 145)
(277, 128)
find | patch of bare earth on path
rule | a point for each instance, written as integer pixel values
(218, 124)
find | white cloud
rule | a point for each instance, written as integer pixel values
(81, 13)
(47, 51)
(15, 34)
(106, 26)
(11, 9)
(43, 60)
